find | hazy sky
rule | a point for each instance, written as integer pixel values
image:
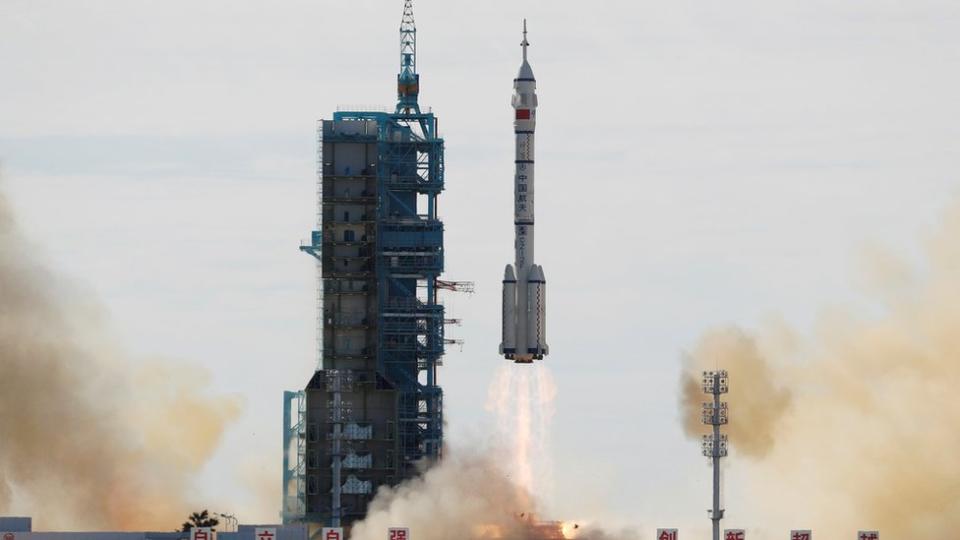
(699, 164)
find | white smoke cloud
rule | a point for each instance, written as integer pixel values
(492, 490)
(854, 427)
(90, 440)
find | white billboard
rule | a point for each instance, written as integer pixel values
(201, 533)
(331, 533)
(264, 533)
(667, 534)
(398, 533)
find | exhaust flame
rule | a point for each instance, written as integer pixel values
(105, 444)
(569, 529)
(522, 400)
(858, 422)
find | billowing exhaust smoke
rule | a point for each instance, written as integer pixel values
(461, 497)
(89, 439)
(854, 426)
(491, 491)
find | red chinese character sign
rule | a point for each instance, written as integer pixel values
(263, 533)
(868, 535)
(201, 533)
(398, 533)
(804, 534)
(332, 533)
(667, 534)
(734, 534)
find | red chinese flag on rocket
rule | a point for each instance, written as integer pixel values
(523, 114)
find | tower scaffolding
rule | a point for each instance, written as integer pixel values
(374, 407)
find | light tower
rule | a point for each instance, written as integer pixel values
(715, 444)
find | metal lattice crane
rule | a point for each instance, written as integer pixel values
(408, 80)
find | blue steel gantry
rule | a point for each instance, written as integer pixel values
(373, 409)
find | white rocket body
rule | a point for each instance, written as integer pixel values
(524, 285)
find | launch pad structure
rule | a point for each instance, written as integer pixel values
(373, 409)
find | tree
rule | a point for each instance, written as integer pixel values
(199, 519)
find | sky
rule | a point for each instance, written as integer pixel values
(699, 164)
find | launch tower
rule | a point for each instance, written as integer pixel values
(373, 408)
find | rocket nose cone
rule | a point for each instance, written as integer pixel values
(526, 72)
(508, 274)
(536, 273)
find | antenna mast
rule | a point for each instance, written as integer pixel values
(524, 43)
(408, 80)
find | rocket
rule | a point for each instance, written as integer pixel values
(524, 286)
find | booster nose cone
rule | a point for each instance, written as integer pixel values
(508, 275)
(536, 274)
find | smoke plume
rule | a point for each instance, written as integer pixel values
(856, 425)
(758, 398)
(485, 492)
(469, 496)
(493, 491)
(90, 440)
(465, 497)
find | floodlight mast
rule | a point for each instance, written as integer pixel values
(715, 445)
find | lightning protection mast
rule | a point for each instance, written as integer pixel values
(715, 445)
(408, 80)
